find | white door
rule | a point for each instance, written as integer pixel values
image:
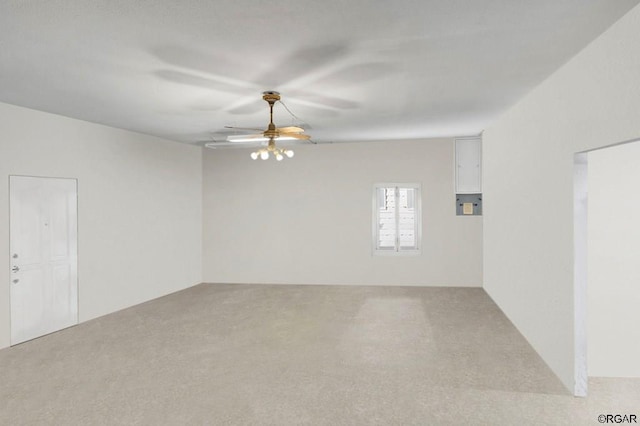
(44, 256)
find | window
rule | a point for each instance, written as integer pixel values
(396, 218)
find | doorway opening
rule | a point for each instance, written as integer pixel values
(606, 259)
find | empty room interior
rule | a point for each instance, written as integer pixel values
(297, 212)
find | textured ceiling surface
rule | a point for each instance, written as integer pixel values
(348, 69)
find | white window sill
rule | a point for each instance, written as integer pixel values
(397, 253)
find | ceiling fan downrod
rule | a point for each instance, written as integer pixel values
(271, 97)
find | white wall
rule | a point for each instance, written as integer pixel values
(613, 332)
(307, 220)
(139, 200)
(592, 101)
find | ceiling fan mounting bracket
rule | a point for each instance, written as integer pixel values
(271, 96)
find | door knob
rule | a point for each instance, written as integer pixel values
(16, 281)
(15, 269)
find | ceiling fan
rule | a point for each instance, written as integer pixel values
(267, 137)
(291, 132)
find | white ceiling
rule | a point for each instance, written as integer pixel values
(351, 69)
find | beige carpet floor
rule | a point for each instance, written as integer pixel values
(291, 355)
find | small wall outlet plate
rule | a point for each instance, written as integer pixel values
(469, 204)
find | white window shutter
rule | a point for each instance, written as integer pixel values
(396, 218)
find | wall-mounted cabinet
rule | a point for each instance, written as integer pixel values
(468, 165)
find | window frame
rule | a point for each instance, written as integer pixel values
(375, 220)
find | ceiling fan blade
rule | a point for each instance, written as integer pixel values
(244, 128)
(244, 138)
(290, 129)
(295, 136)
(215, 145)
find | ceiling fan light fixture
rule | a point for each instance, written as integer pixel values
(271, 134)
(279, 154)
